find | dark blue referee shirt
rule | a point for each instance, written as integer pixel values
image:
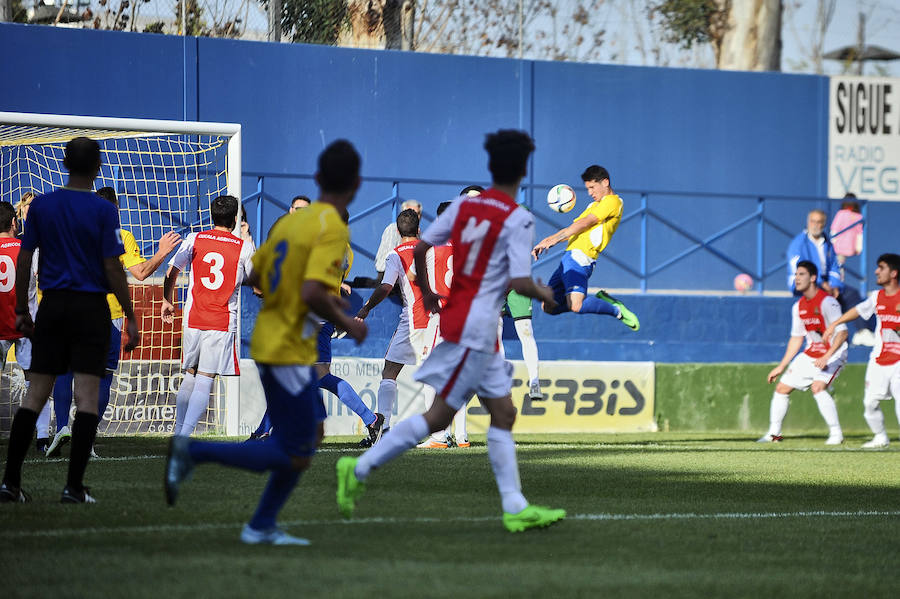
(75, 230)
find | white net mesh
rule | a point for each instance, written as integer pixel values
(164, 182)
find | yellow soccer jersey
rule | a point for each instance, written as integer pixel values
(310, 244)
(131, 257)
(592, 241)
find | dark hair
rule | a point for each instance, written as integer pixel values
(303, 198)
(852, 206)
(508, 151)
(408, 223)
(108, 194)
(338, 167)
(82, 156)
(7, 216)
(466, 190)
(809, 267)
(224, 211)
(892, 261)
(443, 206)
(595, 172)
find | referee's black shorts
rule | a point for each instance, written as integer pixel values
(71, 333)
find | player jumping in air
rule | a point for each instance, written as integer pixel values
(587, 236)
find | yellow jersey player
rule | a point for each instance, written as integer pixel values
(587, 236)
(299, 270)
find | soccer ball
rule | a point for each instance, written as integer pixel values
(561, 198)
(743, 282)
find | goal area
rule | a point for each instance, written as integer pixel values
(165, 174)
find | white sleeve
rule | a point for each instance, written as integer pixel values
(246, 266)
(185, 253)
(393, 269)
(520, 240)
(866, 308)
(831, 310)
(429, 266)
(388, 242)
(438, 233)
(797, 328)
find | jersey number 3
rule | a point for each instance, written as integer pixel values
(215, 279)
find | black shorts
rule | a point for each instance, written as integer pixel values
(71, 333)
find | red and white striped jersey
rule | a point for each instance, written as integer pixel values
(441, 275)
(219, 262)
(886, 308)
(492, 239)
(810, 318)
(9, 257)
(399, 268)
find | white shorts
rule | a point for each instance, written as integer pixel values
(23, 352)
(882, 382)
(802, 371)
(213, 352)
(457, 373)
(410, 348)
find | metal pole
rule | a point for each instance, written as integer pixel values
(274, 34)
(860, 43)
(520, 28)
(183, 17)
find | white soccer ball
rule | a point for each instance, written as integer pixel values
(561, 198)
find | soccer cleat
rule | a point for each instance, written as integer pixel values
(375, 428)
(71, 495)
(63, 436)
(625, 315)
(878, 442)
(432, 443)
(273, 536)
(349, 488)
(769, 438)
(533, 516)
(41, 446)
(10, 494)
(834, 439)
(463, 444)
(179, 466)
(534, 392)
(94, 453)
(364, 443)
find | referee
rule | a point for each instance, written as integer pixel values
(77, 233)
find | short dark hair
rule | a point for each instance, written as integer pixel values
(338, 167)
(7, 216)
(809, 267)
(508, 151)
(82, 156)
(224, 211)
(302, 198)
(595, 172)
(466, 190)
(892, 261)
(108, 194)
(408, 223)
(443, 206)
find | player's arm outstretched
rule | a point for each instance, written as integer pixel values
(534, 289)
(848, 316)
(376, 298)
(323, 302)
(167, 243)
(794, 345)
(580, 225)
(119, 285)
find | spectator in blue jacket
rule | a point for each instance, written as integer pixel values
(813, 245)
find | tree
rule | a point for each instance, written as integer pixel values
(312, 21)
(744, 34)
(385, 24)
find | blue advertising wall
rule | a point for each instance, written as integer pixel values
(693, 153)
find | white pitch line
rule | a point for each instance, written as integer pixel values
(166, 528)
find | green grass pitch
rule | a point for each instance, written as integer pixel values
(651, 515)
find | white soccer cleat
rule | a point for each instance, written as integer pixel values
(834, 439)
(274, 536)
(769, 438)
(878, 442)
(534, 392)
(59, 439)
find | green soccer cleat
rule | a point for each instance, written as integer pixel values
(534, 516)
(625, 315)
(349, 488)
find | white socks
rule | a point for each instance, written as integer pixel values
(181, 400)
(502, 453)
(777, 411)
(828, 410)
(874, 416)
(197, 404)
(529, 348)
(404, 435)
(459, 424)
(42, 426)
(387, 398)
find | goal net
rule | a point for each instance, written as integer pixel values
(165, 174)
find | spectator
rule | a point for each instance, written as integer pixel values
(22, 210)
(814, 246)
(299, 202)
(390, 238)
(846, 230)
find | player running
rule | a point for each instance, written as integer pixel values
(883, 370)
(817, 367)
(587, 236)
(491, 237)
(219, 263)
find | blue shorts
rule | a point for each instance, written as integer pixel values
(294, 405)
(324, 343)
(115, 348)
(569, 276)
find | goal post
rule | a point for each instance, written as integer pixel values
(165, 174)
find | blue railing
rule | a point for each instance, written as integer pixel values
(757, 266)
